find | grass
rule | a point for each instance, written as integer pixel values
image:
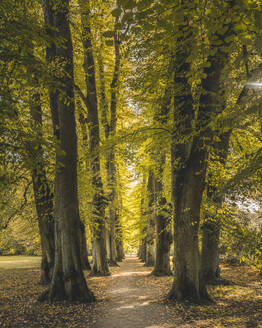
(19, 258)
(19, 262)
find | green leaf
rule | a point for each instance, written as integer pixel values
(116, 12)
(109, 34)
(127, 4)
(144, 4)
(109, 42)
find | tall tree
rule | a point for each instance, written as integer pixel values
(68, 280)
(143, 226)
(163, 214)
(42, 191)
(211, 225)
(190, 158)
(210, 270)
(100, 264)
(187, 189)
(150, 212)
(82, 236)
(110, 132)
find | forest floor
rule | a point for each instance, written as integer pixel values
(130, 297)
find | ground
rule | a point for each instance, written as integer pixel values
(130, 297)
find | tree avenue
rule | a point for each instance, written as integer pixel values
(131, 127)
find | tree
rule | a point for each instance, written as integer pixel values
(190, 173)
(163, 212)
(68, 280)
(188, 170)
(150, 232)
(211, 225)
(42, 192)
(110, 132)
(100, 266)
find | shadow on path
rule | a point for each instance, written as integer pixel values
(132, 303)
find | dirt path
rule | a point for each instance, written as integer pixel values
(131, 298)
(132, 303)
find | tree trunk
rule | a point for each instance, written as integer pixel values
(82, 234)
(187, 193)
(120, 250)
(83, 247)
(43, 202)
(119, 241)
(163, 238)
(211, 227)
(188, 178)
(212, 103)
(42, 194)
(142, 254)
(83, 120)
(112, 239)
(150, 248)
(111, 178)
(189, 158)
(143, 225)
(68, 282)
(110, 132)
(100, 264)
(108, 243)
(163, 214)
(112, 207)
(210, 251)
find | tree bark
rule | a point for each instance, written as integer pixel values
(188, 180)
(120, 250)
(83, 247)
(119, 241)
(107, 241)
(112, 210)
(110, 132)
(187, 193)
(143, 226)
(210, 270)
(163, 232)
(142, 252)
(163, 214)
(211, 227)
(82, 233)
(150, 247)
(68, 282)
(42, 193)
(100, 264)
(83, 121)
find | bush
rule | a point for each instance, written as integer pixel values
(241, 243)
(9, 246)
(33, 249)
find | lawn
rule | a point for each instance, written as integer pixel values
(9, 262)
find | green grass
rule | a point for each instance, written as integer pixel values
(18, 262)
(19, 258)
